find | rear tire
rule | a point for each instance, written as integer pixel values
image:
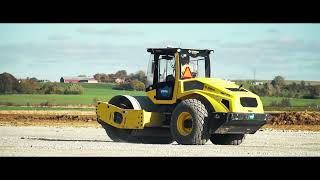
(227, 139)
(198, 113)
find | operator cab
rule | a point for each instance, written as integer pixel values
(169, 65)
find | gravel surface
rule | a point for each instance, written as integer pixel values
(71, 141)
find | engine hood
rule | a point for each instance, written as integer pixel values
(225, 95)
(217, 82)
(225, 86)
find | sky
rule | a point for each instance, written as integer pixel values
(50, 51)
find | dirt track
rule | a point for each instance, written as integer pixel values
(72, 141)
(287, 120)
(49, 118)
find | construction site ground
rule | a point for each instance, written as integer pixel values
(76, 133)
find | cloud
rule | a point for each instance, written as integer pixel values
(288, 40)
(111, 31)
(165, 43)
(62, 50)
(283, 55)
(232, 60)
(275, 46)
(58, 58)
(59, 37)
(273, 31)
(216, 41)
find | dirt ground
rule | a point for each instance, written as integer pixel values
(47, 112)
(287, 120)
(76, 133)
(295, 118)
(48, 118)
(36, 141)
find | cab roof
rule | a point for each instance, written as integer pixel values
(172, 51)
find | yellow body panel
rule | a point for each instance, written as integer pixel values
(218, 107)
(132, 119)
(152, 94)
(214, 91)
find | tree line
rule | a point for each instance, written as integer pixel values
(136, 81)
(279, 87)
(11, 85)
(124, 81)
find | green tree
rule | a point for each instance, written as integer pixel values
(28, 86)
(314, 91)
(34, 79)
(294, 86)
(137, 85)
(101, 77)
(291, 94)
(51, 88)
(268, 90)
(121, 74)
(277, 90)
(278, 81)
(74, 89)
(8, 83)
(123, 86)
(303, 84)
(284, 93)
(139, 75)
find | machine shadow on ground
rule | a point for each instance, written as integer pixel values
(80, 140)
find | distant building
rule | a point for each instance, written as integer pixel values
(257, 83)
(119, 80)
(78, 80)
(43, 81)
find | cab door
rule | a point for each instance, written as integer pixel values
(166, 77)
(162, 90)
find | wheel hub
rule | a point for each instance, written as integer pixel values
(184, 123)
(187, 123)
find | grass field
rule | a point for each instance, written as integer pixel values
(104, 92)
(101, 91)
(294, 101)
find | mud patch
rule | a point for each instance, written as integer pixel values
(49, 120)
(295, 118)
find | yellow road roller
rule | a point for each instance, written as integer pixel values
(183, 103)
